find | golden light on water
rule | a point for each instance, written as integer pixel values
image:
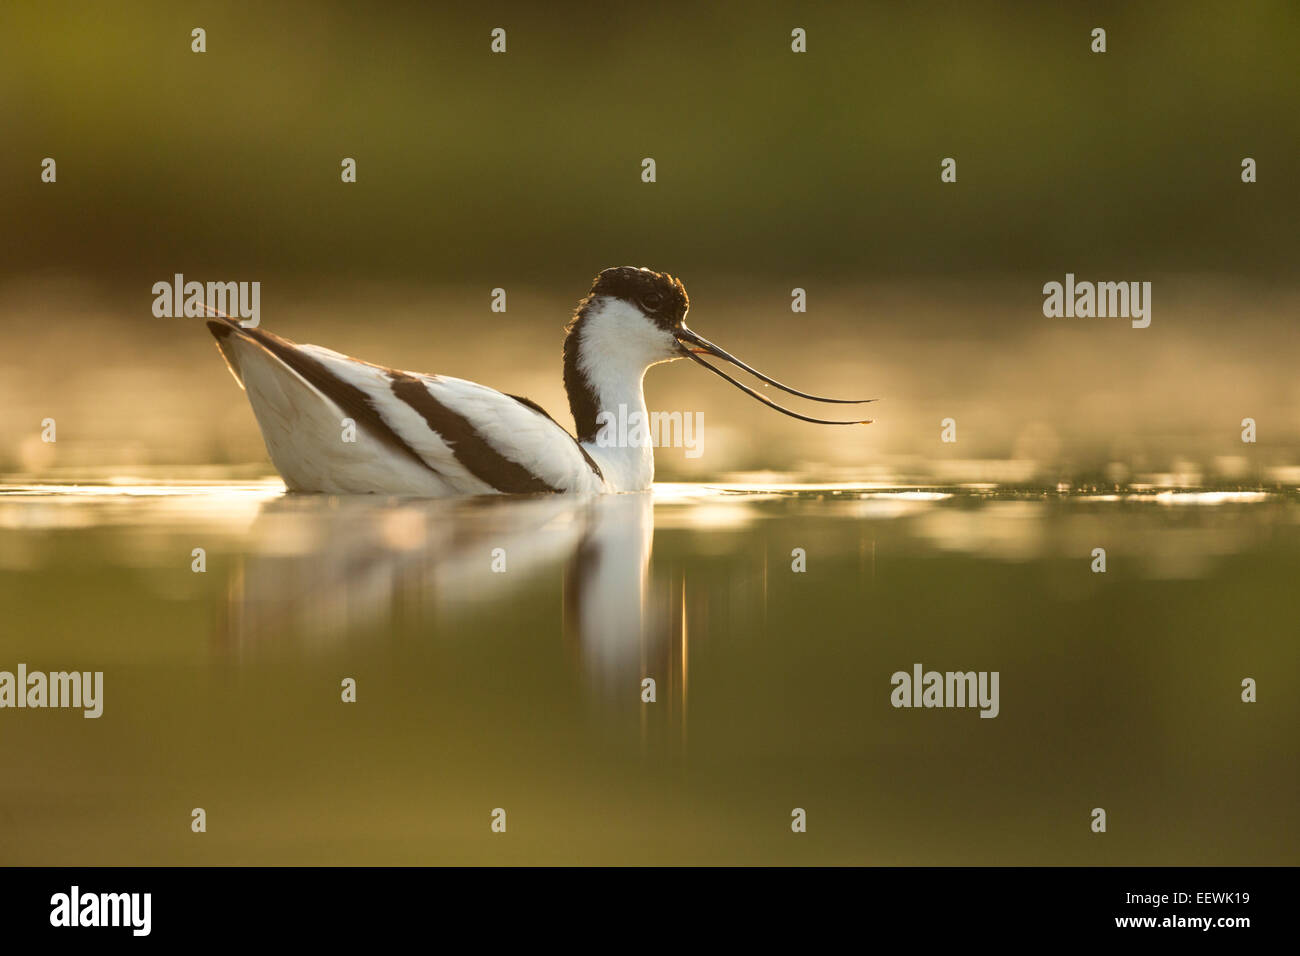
(300, 589)
(1104, 513)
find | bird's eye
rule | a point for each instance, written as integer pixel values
(652, 301)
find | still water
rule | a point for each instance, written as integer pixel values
(499, 649)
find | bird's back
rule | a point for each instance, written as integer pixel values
(340, 425)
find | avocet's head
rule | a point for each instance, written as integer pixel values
(630, 317)
(634, 318)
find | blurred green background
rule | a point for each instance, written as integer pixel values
(526, 165)
(775, 170)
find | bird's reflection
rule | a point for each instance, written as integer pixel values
(326, 571)
(605, 607)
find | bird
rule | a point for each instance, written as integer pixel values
(335, 424)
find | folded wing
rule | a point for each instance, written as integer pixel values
(417, 434)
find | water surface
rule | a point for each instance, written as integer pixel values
(521, 689)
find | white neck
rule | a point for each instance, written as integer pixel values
(622, 449)
(616, 346)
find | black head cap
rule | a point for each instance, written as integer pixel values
(662, 297)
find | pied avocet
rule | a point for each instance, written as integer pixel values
(434, 436)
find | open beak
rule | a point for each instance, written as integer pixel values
(694, 345)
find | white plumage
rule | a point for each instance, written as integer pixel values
(339, 425)
(304, 427)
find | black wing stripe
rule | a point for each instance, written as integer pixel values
(470, 448)
(351, 400)
(529, 403)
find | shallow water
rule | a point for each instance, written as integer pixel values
(521, 689)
